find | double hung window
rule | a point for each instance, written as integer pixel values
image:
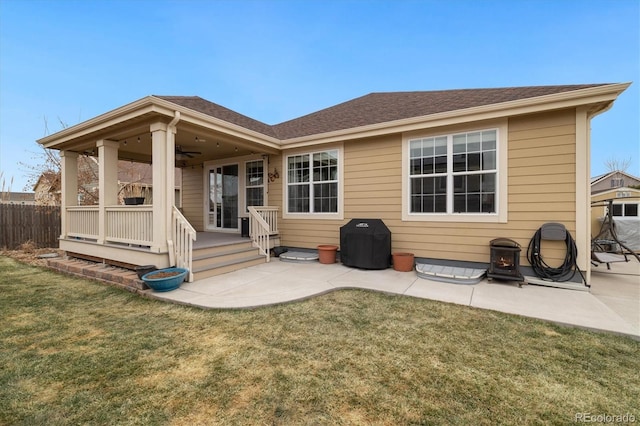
(454, 174)
(625, 210)
(254, 175)
(312, 182)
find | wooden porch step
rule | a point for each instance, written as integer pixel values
(223, 258)
(221, 249)
(228, 266)
(229, 253)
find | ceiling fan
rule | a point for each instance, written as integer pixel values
(182, 154)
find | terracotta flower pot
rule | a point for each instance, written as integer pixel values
(327, 253)
(403, 262)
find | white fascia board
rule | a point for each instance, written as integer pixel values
(574, 98)
(162, 107)
(618, 189)
(126, 112)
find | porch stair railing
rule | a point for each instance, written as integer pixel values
(263, 222)
(181, 245)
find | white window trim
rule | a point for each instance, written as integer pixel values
(241, 161)
(265, 176)
(501, 214)
(339, 215)
(623, 204)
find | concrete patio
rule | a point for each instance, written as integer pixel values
(612, 304)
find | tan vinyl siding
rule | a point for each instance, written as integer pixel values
(301, 233)
(193, 197)
(373, 179)
(541, 185)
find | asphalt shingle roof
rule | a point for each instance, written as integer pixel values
(374, 108)
(204, 106)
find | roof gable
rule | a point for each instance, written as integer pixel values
(616, 173)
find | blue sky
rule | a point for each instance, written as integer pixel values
(275, 60)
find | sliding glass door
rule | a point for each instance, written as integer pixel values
(223, 197)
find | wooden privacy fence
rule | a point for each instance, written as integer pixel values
(21, 223)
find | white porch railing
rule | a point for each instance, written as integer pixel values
(82, 222)
(270, 215)
(183, 235)
(129, 224)
(123, 224)
(263, 222)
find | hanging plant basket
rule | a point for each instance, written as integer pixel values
(165, 279)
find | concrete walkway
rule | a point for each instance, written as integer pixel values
(613, 304)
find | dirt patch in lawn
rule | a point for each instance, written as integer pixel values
(30, 254)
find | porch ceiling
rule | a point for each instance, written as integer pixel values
(134, 138)
(201, 144)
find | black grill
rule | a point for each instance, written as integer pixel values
(365, 244)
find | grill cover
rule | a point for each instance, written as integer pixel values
(366, 244)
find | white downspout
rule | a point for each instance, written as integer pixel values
(170, 182)
(583, 196)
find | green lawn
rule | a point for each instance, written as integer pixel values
(74, 351)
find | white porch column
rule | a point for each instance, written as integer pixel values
(107, 182)
(69, 183)
(161, 206)
(170, 174)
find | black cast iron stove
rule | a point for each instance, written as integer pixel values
(505, 260)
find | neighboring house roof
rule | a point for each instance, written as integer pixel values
(595, 180)
(131, 172)
(374, 108)
(140, 173)
(50, 179)
(18, 197)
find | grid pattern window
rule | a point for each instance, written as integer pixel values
(312, 182)
(454, 173)
(625, 210)
(428, 175)
(254, 183)
(617, 182)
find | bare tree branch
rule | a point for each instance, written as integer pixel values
(617, 165)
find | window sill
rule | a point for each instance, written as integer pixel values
(455, 218)
(313, 216)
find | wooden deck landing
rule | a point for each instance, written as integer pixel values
(215, 239)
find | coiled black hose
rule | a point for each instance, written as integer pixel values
(564, 272)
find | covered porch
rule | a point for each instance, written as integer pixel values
(167, 136)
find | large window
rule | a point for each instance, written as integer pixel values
(312, 182)
(454, 174)
(254, 174)
(625, 210)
